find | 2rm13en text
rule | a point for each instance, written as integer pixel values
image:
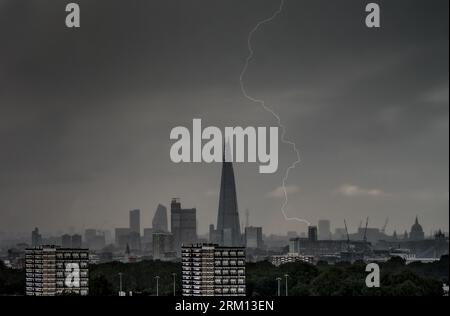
(246, 306)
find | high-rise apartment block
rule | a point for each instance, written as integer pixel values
(211, 270)
(51, 271)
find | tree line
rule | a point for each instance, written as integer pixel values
(303, 279)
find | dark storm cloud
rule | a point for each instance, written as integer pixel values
(85, 114)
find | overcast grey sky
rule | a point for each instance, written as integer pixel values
(85, 114)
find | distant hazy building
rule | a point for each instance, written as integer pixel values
(98, 242)
(71, 241)
(122, 237)
(394, 236)
(214, 236)
(163, 246)
(253, 237)
(89, 234)
(108, 236)
(372, 234)
(134, 241)
(135, 221)
(147, 239)
(324, 229)
(275, 242)
(210, 270)
(36, 238)
(159, 223)
(340, 234)
(416, 231)
(318, 248)
(289, 258)
(405, 235)
(183, 225)
(54, 271)
(77, 241)
(66, 241)
(427, 249)
(95, 239)
(312, 233)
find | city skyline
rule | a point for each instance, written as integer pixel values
(334, 230)
(85, 119)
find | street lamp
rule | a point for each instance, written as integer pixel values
(157, 285)
(279, 285)
(174, 288)
(286, 277)
(120, 283)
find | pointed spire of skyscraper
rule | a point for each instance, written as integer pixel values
(227, 151)
(228, 227)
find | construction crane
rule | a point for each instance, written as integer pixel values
(383, 230)
(348, 236)
(365, 230)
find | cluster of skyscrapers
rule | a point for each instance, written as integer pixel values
(165, 244)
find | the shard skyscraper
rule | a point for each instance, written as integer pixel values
(228, 232)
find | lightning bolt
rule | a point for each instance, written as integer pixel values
(284, 140)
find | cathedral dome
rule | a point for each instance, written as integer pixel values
(416, 231)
